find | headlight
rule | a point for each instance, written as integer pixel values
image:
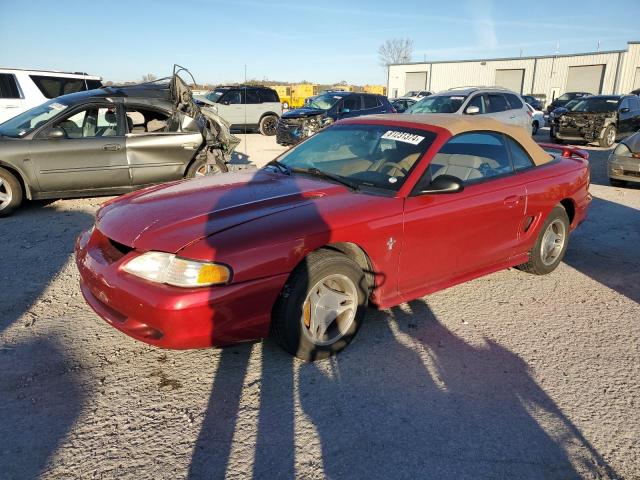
(163, 267)
(622, 151)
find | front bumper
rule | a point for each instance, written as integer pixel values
(166, 316)
(289, 132)
(624, 168)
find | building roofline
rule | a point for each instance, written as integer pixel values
(533, 57)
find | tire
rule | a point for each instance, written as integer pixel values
(334, 278)
(268, 125)
(534, 127)
(540, 262)
(10, 193)
(614, 182)
(608, 137)
(200, 168)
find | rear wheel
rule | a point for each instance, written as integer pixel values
(321, 307)
(608, 137)
(10, 193)
(268, 125)
(549, 249)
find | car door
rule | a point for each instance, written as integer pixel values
(11, 102)
(157, 150)
(626, 117)
(498, 108)
(90, 155)
(230, 107)
(451, 236)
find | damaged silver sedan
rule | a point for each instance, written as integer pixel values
(110, 141)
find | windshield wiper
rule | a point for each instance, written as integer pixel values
(280, 166)
(319, 173)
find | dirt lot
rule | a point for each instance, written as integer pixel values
(508, 376)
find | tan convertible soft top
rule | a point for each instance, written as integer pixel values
(456, 124)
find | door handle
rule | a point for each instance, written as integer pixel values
(111, 146)
(512, 201)
(189, 146)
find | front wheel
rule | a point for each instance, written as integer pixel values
(10, 193)
(549, 249)
(608, 137)
(321, 307)
(268, 125)
(201, 167)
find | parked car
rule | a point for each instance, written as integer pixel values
(553, 116)
(537, 119)
(21, 90)
(416, 94)
(108, 141)
(246, 107)
(364, 212)
(624, 162)
(500, 104)
(533, 101)
(401, 104)
(322, 110)
(601, 118)
(563, 99)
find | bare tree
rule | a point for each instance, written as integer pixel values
(149, 77)
(395, 50)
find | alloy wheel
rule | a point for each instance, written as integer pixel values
(553, 242)
(6, 195)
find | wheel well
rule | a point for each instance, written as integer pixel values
(358, 255)
(570, 208)
(194, 159)
(265, 114)
(25, 190)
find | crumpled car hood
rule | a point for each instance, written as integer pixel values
(171, 216)
(303, 112)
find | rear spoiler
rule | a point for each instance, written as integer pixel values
(567, 152)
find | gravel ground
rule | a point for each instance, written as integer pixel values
(508, 376)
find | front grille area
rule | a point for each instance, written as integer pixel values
(631, 173)
(113, 251)
(287, 130)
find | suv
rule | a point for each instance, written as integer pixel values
(322, 110)
(245, 107)
(21, 90)
(601, 118)
(498, 103)
(565, 98)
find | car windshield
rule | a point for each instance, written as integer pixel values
(569, 105)
(377, 156)
(566, 96)
(26, 122)
(214, 96)
(411, 93)
(438, 104)
(324, 101)
(596, 105)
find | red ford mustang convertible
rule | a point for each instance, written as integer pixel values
(375, 210)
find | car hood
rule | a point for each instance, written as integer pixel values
(303, 112)
(169, 217)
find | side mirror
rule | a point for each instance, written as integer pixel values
(443, 184)
(624, 110)
(472, 110)
(56, 132)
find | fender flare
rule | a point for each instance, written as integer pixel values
(19, 174)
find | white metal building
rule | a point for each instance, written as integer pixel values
(545, 77)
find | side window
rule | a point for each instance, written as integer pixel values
(233, 97)
(472, 156)
(625, 104)
(519, 157)
(352, 103)
(635, 103)
(91, 122)
(370, 101)
(251, 96)
(497, 103)
(514, 101)
(143, 120)
(270, 96)
(52, 87)
(477, 101)
(9, 86)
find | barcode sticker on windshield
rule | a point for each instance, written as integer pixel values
(405, 137)
(57, 106)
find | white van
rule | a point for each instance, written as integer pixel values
(21, 90)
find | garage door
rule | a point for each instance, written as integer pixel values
(585, 79)
(513, 79)
(415, 81)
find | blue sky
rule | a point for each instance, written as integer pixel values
(324, 42)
